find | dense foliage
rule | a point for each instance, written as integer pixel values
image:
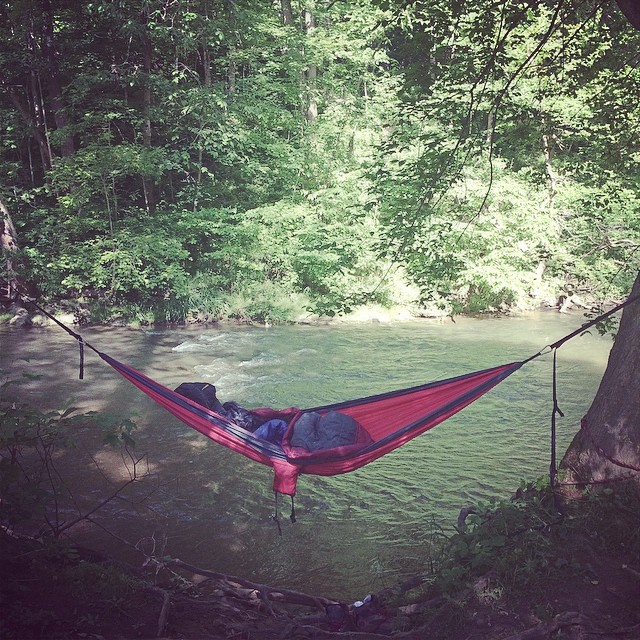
(245, 159)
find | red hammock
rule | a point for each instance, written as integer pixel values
(390, 420)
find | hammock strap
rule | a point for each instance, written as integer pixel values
(292, 517)
(556, 411)
(81, 345)
(588, 325)
(581, 329)
(275, 514)
(81, 341)
(553, 469)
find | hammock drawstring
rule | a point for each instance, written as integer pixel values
(275, 516)
(292, 517)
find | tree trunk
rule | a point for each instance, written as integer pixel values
(33, 127)
(8, 249)
(631, 11)
(286, 13)
(608, 445)
(147, 182)
(54, 88)
(552, 179)
(206, 64)
(232, 70)
(311, 72)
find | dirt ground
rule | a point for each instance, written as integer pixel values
(68, 594)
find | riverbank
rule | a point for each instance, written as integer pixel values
(76, 312)
(515, 571)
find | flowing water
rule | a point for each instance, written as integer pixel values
(355, 533)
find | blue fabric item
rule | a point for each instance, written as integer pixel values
(272, 431)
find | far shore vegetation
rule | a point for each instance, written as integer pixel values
(262, 161)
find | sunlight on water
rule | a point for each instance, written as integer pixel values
(357, 532)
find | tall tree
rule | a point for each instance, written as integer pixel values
(147, 95)
(8, 251)
(53, 81)
(311, 72)
(607, 447)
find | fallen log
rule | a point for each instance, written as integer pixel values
(265, 592)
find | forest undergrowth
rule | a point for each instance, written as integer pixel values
(516, 569)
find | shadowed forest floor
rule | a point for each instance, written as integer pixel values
(574, 578)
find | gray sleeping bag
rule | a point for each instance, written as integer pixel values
(314, 432)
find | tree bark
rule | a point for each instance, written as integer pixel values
(286, 13)
(147, 52)
(607, 447)
(232, 70)
(552, 179)
(206, 64)
(311, 72)
(54, 87)
(8, 249)
(631, 11)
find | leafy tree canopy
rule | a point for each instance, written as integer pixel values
(197, 158)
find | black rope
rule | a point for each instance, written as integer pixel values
(581, 329)
(553, 469)
(587, 325)
(292, 517)
(275, 514)
(556, 411)
(81, 341)
(81, 345)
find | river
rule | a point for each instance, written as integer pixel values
(355, 533)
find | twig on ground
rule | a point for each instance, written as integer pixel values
(545, 629)
(164, 611)
(630, 570)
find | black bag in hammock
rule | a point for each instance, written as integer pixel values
(203, 393)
